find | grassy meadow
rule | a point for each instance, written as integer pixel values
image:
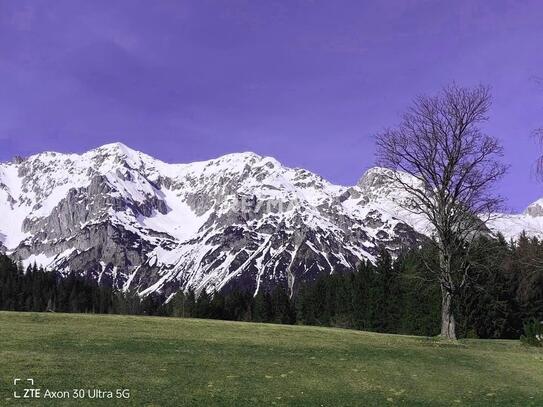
(178, 362)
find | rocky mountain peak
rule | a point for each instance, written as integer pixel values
(375, 178)
(535, 209)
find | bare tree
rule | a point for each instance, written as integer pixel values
(453, 167)
(538, 134)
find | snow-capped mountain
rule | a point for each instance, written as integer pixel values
(136, 222)
(512, 225)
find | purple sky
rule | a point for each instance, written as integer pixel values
(308, 82)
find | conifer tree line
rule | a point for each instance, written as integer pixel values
(34, 289)
(392, 295)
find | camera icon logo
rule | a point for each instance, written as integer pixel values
(28, 392)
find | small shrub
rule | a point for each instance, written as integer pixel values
(533, 333)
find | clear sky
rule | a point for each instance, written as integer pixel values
(308, 82)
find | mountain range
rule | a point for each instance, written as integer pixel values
(241, 220)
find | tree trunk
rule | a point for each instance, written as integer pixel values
(448, 324)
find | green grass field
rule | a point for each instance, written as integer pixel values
(177, 362)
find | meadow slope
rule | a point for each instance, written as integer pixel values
(177, 362)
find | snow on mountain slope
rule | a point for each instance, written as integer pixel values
(512, 225)
(138, 223)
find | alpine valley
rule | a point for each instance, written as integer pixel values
(241, 220)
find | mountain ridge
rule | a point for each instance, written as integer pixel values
(136, 222)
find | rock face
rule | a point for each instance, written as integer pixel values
(535, 209)
(240, 220)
